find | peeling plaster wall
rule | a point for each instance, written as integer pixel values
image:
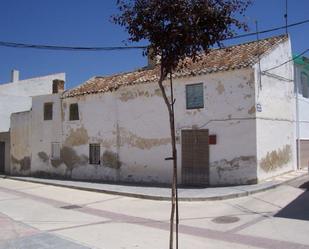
(131, 125)
(46, 132)
(20, 143)
(276, 151)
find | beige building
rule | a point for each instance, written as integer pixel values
(234, 123)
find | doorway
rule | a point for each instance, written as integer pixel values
(195, 157)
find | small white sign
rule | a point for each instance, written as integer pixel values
(258, 107)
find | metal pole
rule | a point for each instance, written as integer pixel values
(286, 16)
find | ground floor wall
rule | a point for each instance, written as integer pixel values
(126, 156)
(5, 152)
(276, 147)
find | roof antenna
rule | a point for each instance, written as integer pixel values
(259, 58)
(286, 16)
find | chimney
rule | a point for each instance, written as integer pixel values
(58, 86)
(152, 60)
(14, 75)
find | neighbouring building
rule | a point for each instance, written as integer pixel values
(235, 122)
(16, 96)
(302, 109)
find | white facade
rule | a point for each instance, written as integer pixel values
(302, 110)
(16, 96)
(253, 124)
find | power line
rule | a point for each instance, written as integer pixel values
(293, 58)
(81, 48)
(65, 48)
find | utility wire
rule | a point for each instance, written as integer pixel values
(79, 48)
(269, 30)
(293, 58)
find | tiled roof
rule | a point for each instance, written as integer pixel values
(224, 59)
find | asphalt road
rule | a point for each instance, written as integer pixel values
(43, 217)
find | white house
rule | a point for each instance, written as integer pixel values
(302, 109)
(235, 122)
(16, 96)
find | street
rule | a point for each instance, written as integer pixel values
(40, 216)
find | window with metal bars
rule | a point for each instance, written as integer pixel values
(74, 114)
(48, 111)
(94, 153)
(55, 150)
(195, 96)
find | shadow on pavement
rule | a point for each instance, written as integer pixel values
(299, 208)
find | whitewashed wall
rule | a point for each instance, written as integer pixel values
(45, 132)
(276, 149)
(131, 125)
(132, 128)
(16, 96)
(303, 106)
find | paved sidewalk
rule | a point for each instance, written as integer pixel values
(163, 193)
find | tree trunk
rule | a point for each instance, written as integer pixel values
(174, 194)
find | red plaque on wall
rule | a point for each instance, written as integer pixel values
(212, 139)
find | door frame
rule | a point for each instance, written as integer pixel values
(207, 169)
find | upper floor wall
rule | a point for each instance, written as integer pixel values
(17, 95)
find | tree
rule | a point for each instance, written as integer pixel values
(176, 30)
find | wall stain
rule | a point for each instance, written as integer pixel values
(56, 162)
(110, 159)
(130, 95)
(77, 137)
(220, 88)
(251, 80)
(24, 163)
(241, 85)
(276, 158)
(251, 110)
(131, 139)
(231, 165)
(247, 96)
(70, 158)
(43, 156)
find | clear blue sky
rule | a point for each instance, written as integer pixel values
(86, 23)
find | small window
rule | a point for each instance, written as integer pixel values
(94, 153)
(305, 85)
(74, 115)
(55, 151)
(195, 96)
(48, 111)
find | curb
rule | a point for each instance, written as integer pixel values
(161, 198)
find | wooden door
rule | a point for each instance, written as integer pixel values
(2, 156)
(195, 157)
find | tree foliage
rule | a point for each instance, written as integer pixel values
(180, 28)
(177, 29)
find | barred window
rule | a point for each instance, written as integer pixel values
(48, 111)
(94, 153)
(55, 150)
(74, 114)
(195, 96)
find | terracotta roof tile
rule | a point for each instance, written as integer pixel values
(230, 58)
